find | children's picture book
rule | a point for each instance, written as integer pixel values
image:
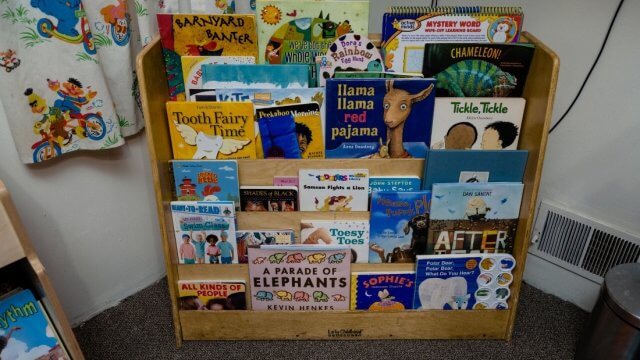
(399, 226)
(203, 35)
(240, 76)
(406, 29)
(334, 189)
(394, 183)
(299, 277)
(285, 181)
(349, 52)
(268, 198)
(25, 332)
(374, 75)
(478, 70)
(206, 180)
(295, 32)
(212, 295)
(278, 136)
(192, 69)
(463, 282)
(382, 290)
(254, 238)
(211, 130)
(477, 123)
(472, 166)
(378, 118)
(354, 233)
(307, 118)
(205, 232)
(474, 218)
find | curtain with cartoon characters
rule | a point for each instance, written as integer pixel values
(68, 74)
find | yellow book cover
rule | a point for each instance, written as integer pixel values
(211, 130)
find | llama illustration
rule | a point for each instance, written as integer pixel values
(397, 107)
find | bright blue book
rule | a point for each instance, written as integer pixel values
(382, 291)
(399, 226)
(452, 166)
(25, 331)
(394, 183)
(206, 180)
(463, 282)
(241, 76)
(378, 118)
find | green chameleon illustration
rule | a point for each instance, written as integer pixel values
(474, 78)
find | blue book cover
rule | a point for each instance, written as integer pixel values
(451, 166)
(382, 291)
(463, 282)
(394, 183)
(25, 332)
(206, 180)
(399, 226)
(378, 118)
(239, 76)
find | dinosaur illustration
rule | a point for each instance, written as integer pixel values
(475, 78)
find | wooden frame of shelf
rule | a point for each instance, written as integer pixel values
(471, 324)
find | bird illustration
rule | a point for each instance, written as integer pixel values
(208, 146)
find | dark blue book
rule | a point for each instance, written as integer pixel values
(382, 291)
(452, 166)
(378, 118)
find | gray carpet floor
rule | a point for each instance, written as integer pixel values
(141, 328)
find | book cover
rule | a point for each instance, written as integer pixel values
(378, 118)
(25, 332)
(212, 295)
(350, 52)
(394, 183)
(278, 135)
(353, 233)
(254, 238)
(192, 69)
(474, 217)
(374, 75)
(268, 198)
(477, 123)
(205, 232)
(463, 282)
(334, 189)
(451, 166)
(399, 226)
(478, 70)
(211, 130)
(285, 181)
(295, 32)
(300, 278)
(203, 35)
(308, 126)
(238, 76)
(382, 291)
(405, 30)
(206, 180)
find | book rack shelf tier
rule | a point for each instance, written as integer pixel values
(469, 324)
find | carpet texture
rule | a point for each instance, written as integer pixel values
(141, 328)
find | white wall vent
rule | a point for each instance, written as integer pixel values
(579, 244)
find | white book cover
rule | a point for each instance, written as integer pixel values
(334, 189)
(477, 123)
(354, 233)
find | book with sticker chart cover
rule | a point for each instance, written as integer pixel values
(192, 69)
(399, 225)
(354, 233)
(334, 189)
(478, 70)
(255, 238)
(300, 278)
(474, 218)
(463, 282)
(350, 52)
(206, 180)
(212, 295)
(211, 130)
(382, 290)
(268, 198)
(203, 35)
(198, 225)
(394, 183)
(378, 118)
(260, 76)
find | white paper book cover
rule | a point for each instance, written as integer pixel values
(477, 123)
(354, 233)
(334, 189)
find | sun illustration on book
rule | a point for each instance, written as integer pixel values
(209, 146)
(271, 15)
